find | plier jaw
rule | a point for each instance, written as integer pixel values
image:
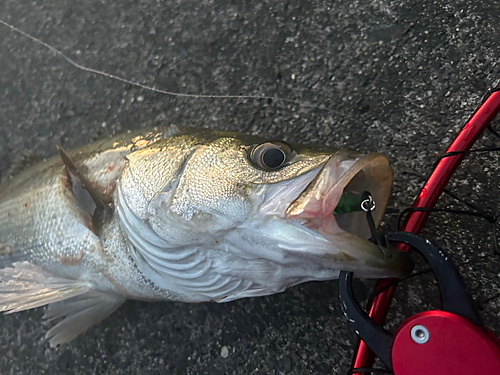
(451, 340)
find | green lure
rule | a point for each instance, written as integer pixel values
(349, 202)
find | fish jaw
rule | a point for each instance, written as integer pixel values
(308, 230)
(211, 226)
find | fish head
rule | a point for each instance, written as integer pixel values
(262, 209)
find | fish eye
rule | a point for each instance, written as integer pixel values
(271, 156)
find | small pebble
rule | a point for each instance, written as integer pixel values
(224, 352)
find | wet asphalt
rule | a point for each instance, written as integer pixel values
(396, 77)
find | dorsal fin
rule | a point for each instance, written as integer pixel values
(85, 194)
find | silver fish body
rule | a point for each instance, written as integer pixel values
(191, 215)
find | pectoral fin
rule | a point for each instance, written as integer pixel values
(79, 313)
(87, 197)
(25, 286)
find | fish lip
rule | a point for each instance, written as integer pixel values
(313, 208)
(321, 196)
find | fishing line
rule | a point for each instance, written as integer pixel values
(490, 219)
(490, 129)
(151, 88)
(493, 131)
(413, 275)
(454, 153)
(360, 370)
(481, 303)
(476, 211)
(396, 282)
(406, 278)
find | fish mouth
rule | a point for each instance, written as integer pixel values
(350, 175)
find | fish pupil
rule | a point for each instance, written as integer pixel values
(273, 158)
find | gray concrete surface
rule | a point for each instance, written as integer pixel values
(396, 77)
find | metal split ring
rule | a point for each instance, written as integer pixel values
(368, 204)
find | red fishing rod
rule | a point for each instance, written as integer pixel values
(415, 220)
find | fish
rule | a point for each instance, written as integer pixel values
(184, 214)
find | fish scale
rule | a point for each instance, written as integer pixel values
(189, 215)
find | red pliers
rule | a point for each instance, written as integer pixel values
(451, 340)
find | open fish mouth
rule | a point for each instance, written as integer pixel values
(330, 208)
